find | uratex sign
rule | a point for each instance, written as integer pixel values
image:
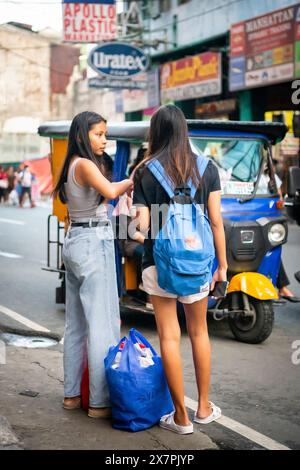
(118, 60)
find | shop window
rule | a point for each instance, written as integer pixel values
(164, 5)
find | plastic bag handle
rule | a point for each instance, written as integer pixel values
(116, 348)
(134, 335)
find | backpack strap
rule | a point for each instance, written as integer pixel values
(158, 171)
(202, 163)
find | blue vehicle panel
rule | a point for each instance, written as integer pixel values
(233, 210)
(270, 264)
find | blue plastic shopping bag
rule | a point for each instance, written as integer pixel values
(138, 389)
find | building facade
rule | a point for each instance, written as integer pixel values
(180, 29)
(36, 84)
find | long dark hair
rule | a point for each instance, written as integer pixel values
(169, 143)
(78, 144)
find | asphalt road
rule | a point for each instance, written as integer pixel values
(255, 385)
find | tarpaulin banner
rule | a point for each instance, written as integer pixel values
(191, 77)
(265, 49)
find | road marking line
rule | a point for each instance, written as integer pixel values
(245, 431)
(10, 255)
(25, 321)
(11, 221)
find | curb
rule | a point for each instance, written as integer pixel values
(8, 439)
(27, 332)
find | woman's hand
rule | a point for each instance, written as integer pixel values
(130, 186)
(219, 275)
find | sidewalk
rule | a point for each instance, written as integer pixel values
(40, 422)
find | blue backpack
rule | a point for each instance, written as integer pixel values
(183, 249)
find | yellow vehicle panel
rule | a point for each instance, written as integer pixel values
(254, 284)
(58, 153)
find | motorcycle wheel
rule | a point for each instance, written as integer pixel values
(254, 328)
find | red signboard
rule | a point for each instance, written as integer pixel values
(237, 40)
(89, 22)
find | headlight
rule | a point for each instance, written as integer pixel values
(276, 234)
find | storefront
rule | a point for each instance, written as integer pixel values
(221, 109)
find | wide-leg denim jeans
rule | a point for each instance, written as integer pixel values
(92, 308)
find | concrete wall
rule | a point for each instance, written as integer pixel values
(25, 91)
(24, 77)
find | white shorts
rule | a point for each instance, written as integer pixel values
(151, 286)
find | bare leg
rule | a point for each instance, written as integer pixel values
(197, 329)
(169, 337)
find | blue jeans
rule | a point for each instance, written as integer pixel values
(92, 309)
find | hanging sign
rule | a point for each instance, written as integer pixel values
(89, 21)
(118, 60)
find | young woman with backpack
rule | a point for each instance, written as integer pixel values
(92, 304)
(177, 168)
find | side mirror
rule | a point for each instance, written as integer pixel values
(294, 181)
(296, 125)
(292, 202)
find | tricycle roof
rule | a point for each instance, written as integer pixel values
(138, 130)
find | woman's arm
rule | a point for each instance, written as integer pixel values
(216, 221)
(87, 174)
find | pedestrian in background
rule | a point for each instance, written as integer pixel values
(3, 184)
(11, 177)
(26, 180)
(92, 303)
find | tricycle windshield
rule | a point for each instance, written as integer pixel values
(239, 163)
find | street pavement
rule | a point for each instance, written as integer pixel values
(257, 386)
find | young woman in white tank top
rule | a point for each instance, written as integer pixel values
(92, 304)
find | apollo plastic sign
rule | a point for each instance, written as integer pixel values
(118, 60)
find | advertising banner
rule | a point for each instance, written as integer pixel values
(88, 21)
(265, 49)
(191, 77)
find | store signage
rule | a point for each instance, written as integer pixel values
(265, 49)
(118, 60)
(216, 107)
(89, 21)
(191, 77)
(137, 100)
(117, 83)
